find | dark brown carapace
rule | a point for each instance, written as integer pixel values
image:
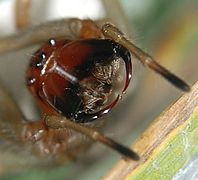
(76, 81)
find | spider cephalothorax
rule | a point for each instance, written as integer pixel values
(79, 79)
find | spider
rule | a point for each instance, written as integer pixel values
(75, 82)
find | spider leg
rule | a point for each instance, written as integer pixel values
(22, 8)
(68, 28)
(11, 121)
(57, 122)
(114, 33)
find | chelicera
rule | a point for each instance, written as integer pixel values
(75, 82)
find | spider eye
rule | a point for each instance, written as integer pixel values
(38, 60)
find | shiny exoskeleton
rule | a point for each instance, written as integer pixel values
(76, 81)
(79, 79)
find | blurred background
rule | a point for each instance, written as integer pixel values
(168, 30)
